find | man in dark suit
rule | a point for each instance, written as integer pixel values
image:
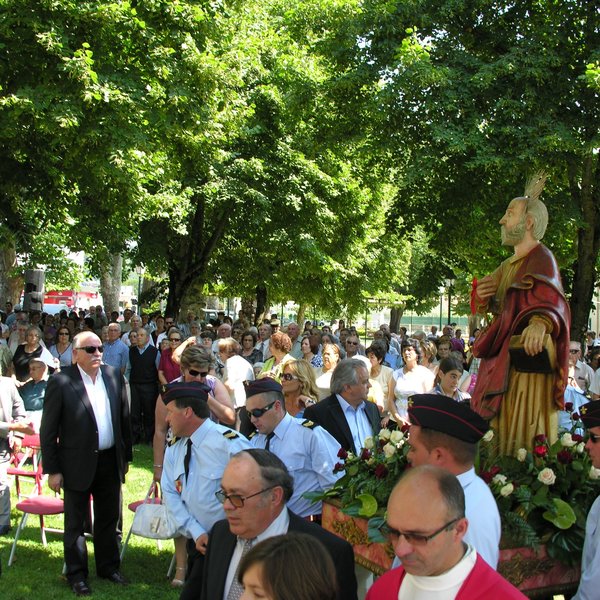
(86, 444)
(346, 414)
(255, 488)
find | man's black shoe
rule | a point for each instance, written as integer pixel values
(117, 578)
(81, 588)
(4, 529)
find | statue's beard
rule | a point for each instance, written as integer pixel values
(512, 237)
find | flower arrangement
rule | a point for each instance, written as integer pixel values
(369, 478)
(544, 495)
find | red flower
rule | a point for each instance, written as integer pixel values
(568, 406)
(540, 438)
(338, 467)
(365, 454)
(540, 451)
(564, 457)
(577, 438)
(381, 471)
(575, 416)
(405, 428)
(342, 453)
(487, 476)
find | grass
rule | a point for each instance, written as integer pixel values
(36, 571)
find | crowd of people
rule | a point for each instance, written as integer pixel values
(244, 422)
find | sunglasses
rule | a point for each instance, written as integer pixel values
(289, 377)
(91, 349)
(63, 333)
(349, 343)
(174, 339)
(573, 351)
(257, 413)
(594, 437)
(236, 500)
(195, 373)
(414, 539)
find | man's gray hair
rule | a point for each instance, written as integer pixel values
(539, 214)
(346, 373)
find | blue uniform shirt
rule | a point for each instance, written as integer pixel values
(310, 453)
(192, 503)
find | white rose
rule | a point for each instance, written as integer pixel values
(507, 490)
(350, 456)
(594, 473)
(385, 434)
(369, 444)
(521, 454)
(547, 476)
(580, 448)
(489, 436)
(389, 450)
(501, 479)
(567, 440)
(396, 437)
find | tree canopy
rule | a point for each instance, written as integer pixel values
(325, 151)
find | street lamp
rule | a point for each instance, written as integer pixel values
(449, 283)
(140, 272)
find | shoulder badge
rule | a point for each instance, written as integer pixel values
(255, 432)
(172, 441)
(231, 435)
(309, 424)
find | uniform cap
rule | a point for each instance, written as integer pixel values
(448, 416)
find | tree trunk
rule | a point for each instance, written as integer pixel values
(261, 304)
(588, 244)
(11, 284)
(248, 309)
(395, 318)
(110, 283)
(301, 312)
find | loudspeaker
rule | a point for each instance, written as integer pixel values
(34, 290)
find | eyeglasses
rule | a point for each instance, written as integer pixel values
(63, 333)
(594, 437)
(236, 500)
(91, 349)
(257, 413)
(174, 339)
(414, 539)
(195, 373)
(168, 323)
(573, 351)
(289, 377)
(348, 342)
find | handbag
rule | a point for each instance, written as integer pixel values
(152, 518)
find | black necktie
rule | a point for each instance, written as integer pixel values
(270, 436)
(186, 460)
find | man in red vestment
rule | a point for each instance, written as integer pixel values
(426, 525)
(526, 299)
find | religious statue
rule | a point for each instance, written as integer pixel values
(524, 351)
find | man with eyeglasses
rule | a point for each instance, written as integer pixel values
(589, 584)
(308, 451)
(580, 373)
(254, 490)
(445, 433)
(192, 471)
(86, 443)
(426, 527)
(352, 348)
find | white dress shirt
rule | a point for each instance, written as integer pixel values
(96, 391)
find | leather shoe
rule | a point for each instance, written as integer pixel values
(4, 529)
(81, 588)
(117, 578)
